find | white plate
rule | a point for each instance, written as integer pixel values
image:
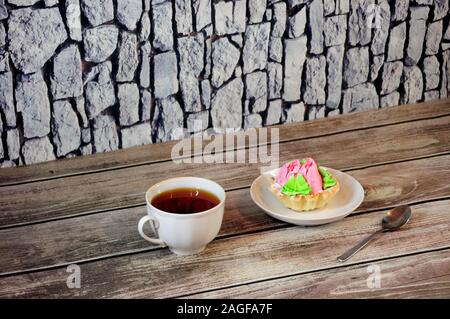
(349, 197)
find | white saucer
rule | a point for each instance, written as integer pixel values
(349, 197)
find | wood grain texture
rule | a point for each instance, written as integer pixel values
(106, 234)
(425, 275)
(21, 204)
(240, 260)
(115, 232)
(161, 152)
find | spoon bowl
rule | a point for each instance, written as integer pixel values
(396, 217)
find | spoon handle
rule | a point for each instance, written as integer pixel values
(349, 253)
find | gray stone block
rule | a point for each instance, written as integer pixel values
(273, 112)
(279, 19)
(417, 29)
(197, 122)
(202, 10)
(32, 102)
(359, 31)
(7, 98)
(412, 85)
(3, 10)
(335, 30)
(381, 24)
(396, 42)
(296, 25)
(256, 44)
(128, 59)
(316, 22)
(97, 12)
(73, 19)
(226, 106)
(252, 121)
(105, 135)
(183, 16)
(165, 73)
(100, 42)
(256, 91)
(229, 16)
(335, 56)
(362, 97)
(13, 143)
(256, 9)
(225, 58)
(168, 120)
(356, 66)
(99, 93)
(392, 74)
(275, 79)
(400, 10)
(128, 96)
(128, 13)
(431, 72)
(40, 31)
(315, 80)
(37, 150)
(136, 135)
(191, 50)
(66, 79)
(433, 38)
(391, 99)
(65, 128)
(162, 26)
(295, 55)
(296, 113)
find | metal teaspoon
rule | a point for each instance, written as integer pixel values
(393, 220)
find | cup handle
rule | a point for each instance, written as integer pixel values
(141, 223)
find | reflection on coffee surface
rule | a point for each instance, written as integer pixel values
(185, 201)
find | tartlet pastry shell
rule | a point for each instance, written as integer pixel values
(306, 202)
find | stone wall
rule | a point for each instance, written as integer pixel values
(87, 76)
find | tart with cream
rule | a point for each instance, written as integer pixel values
(303, 185)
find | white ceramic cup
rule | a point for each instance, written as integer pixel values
(183, 234)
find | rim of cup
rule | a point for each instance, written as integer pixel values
(155, 186)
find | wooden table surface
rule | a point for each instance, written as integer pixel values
(85, 211)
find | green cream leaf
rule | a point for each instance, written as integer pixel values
(296, 185)
(327, 180)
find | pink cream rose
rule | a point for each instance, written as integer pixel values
(286, 171)
(312, 176)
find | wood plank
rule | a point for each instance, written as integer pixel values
(114, 233)
(21, 204)
(161, 152)
(425, 275)
(240, 260)
(107, 234)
